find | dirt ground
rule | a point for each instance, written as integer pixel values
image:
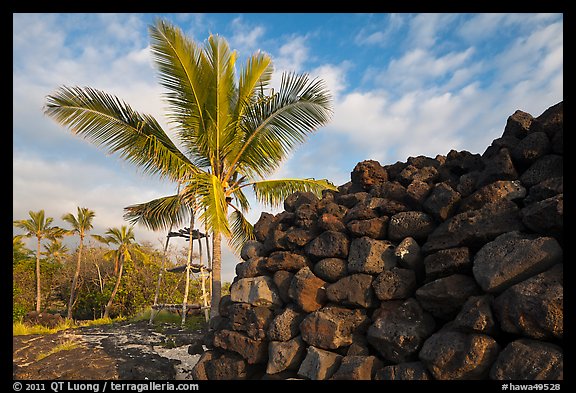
(125, 351)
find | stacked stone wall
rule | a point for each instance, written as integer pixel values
(434, 268)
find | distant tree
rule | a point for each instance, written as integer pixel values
(81, 223)
(22, 278)
(56, 250)
(40, 227)
(19, 250)
(125, 240)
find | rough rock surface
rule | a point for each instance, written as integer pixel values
(455, 355)
(526, 359)
(513, 257)
(319, 364)
(434, 268)
(399, 330)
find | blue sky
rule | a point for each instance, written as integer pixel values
(403, 85)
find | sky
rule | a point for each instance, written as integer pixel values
(402, 84)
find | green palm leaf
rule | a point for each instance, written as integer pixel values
(158, 214)
(273, 192)
(254, 77)
(241, 200)
(241, 231)
(272, 127)
(206, 190)
(108, 122)
(184, 71)
(220, 97)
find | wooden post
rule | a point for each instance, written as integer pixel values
(188, 267)
(160, 274)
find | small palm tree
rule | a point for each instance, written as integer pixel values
(124, 238)
(39, 226)
(56, 250)
(233, 133)
(81, 224)
(19, 250)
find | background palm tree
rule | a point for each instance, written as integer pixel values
(56, 250)
(233, 132)
(80, 225)
(52, 268)
(39, 226)
(124, 238)
(19, 250)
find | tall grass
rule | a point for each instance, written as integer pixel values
(193, 322)
(23, 329)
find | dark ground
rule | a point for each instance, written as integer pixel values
(121, 351)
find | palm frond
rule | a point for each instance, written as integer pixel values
(241, 200)
(241, 231)
(206, 192)
(108, 122)
(254, 78)
(82, 222)
(55, 233)
(158, 214)
(273, 126)
(102, 239)
(184, 70)
(274, 192)
(221, 95)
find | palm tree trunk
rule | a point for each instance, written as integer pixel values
(118, 278)
(38, 291)
(216, 268)
(75, 279)
(209, 262)
(99, 278)
(190, 251)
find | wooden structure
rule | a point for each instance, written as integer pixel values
(205, 274)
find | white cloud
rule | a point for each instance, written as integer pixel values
(520, 61)
(390, 131)
(424, 29)
(481, 26)
(245, 38)
(292, 55)
(333, 75)
(420, 67)
(381, 33)
(59, 186)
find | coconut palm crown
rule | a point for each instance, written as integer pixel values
(233, 130)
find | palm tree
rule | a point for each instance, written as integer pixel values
(56, 249)
(124, 238)
(233, 132)
(19, 250)
(54, 252)
(40, 227)
(80, 225)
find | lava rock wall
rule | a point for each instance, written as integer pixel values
(435, 268)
